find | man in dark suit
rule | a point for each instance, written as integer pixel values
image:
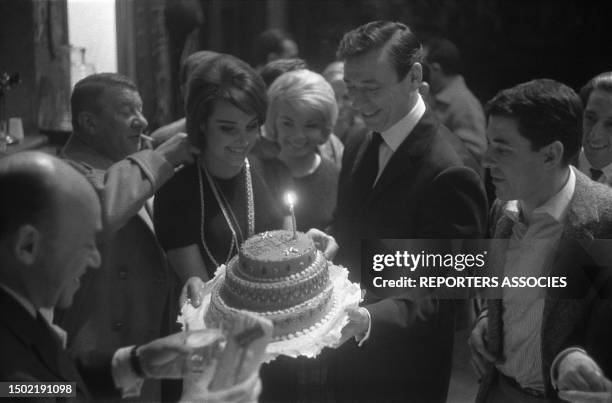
(549, 221)
(405, 180)
(50, 221)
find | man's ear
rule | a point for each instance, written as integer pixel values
(553, 153)
(414, 77)
(87, 123)
(27, 244)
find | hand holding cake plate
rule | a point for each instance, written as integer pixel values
(288, 281)
(232, 374)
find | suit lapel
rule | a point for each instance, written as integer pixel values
(146, 214)
(359, 189)
(42, 341)
(561, 315)
(65, 365)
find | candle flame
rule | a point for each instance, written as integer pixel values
(290, 198)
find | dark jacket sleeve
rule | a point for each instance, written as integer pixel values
(95, 368)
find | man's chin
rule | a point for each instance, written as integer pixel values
(67, 298)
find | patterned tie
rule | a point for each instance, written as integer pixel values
(369, 163)
(596, 174)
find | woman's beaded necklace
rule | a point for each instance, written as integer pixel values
(228, 213)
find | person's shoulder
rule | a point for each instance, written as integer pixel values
(81, 166)
(328, 167)
(182, 180)
(445, 151)
(592, 205)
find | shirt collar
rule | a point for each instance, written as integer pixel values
(396, 134)
(555, 207)
(46, 313)
(584, 162)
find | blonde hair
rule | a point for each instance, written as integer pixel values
(306, 88)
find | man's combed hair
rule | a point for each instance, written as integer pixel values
(601, 81)
(402, 45)
(88, 91)
(545, 110)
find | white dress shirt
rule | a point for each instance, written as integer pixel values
(531, 250)
(396, 134)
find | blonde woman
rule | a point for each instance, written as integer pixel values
(301, 115)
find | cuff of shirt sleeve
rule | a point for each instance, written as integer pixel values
(124, 377)
(156, 168)
(554, 368)
(367, 333)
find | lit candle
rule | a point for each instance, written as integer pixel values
(290, 199)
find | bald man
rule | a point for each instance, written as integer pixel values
(49, 228)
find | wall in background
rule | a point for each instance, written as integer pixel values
(91, 25)
(34, 43)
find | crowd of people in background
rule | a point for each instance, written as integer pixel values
(387, 142)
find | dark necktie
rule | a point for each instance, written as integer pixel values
(596, 174)
(369, 162)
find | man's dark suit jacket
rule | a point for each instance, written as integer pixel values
(426, 192)
(31, 352)
(579, 315)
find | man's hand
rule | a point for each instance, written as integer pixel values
(170, 357)
(193, 290)
(325, 243)
(178, 150)
(578, 371)
(358, 325)
(481, 357)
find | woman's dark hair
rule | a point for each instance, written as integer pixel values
(223, 77)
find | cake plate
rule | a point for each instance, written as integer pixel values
(307, 342)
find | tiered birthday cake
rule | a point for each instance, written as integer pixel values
(278, 276)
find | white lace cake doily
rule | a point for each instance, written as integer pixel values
(309, 342)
